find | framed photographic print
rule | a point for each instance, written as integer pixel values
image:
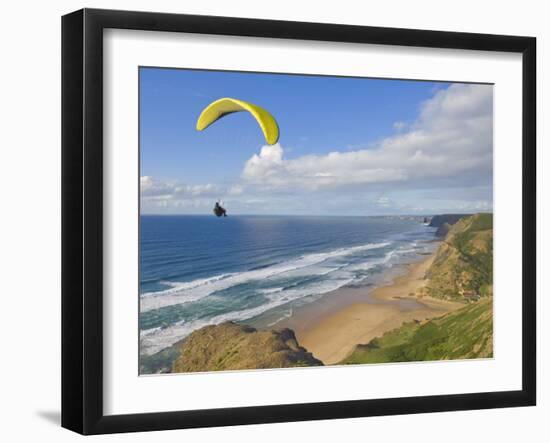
(269, 221)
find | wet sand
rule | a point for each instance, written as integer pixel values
(332, 326)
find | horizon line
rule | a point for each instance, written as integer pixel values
(428, 214)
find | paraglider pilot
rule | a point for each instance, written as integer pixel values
(219, 210)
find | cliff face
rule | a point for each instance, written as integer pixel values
(463, 265)
(450, 219)
(443, 230)
(229, 346)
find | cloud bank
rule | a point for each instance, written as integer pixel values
(452, 136)
(448, 148)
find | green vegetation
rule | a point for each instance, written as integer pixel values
(462, 271)
(463, 266)
(463, 334)
(230, 346)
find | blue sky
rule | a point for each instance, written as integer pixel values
(342, 141)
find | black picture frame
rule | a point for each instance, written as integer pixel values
(82, 218)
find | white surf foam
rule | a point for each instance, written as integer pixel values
(195, 290)
(156, 340)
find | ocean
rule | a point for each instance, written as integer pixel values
(201, 270)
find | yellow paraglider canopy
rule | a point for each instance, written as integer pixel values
(224, 106)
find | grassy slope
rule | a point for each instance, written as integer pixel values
(463, 262)
(466, 333)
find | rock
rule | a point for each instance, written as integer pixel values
(451, 219)
(229, 346)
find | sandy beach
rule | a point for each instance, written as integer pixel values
(331, 327)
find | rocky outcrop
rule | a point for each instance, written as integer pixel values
(229, 346)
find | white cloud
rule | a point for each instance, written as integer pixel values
(236, 190)
(451, 140)
(173, 196)
(159, 189)
(152, 188)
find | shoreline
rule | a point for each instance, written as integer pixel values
(331, 327)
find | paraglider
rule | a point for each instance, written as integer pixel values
(225, 106)
(219, 210)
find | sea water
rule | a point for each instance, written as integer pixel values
(201, 270)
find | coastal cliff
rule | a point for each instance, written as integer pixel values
(463, 266)
(461, 271)
(229, 346)
(444, 222)
(450, 219)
